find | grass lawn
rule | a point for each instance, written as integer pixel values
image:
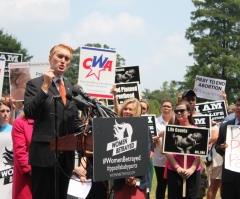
(154, 185)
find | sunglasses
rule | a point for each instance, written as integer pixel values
(179, 110)
(2, 111)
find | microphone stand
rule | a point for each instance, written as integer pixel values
(56, 166)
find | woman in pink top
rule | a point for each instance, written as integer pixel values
(21, 137)
(176, 172)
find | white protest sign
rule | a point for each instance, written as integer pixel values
(6, 165)
(2, 66)
(21, 73)
(232, 152)
(97, 71)
(209, 88)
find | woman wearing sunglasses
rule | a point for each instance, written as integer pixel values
(176, 172)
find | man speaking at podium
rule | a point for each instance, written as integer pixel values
(39, 104)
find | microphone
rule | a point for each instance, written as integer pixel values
(78, 90)
(78, 99)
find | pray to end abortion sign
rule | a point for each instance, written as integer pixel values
(209, 88)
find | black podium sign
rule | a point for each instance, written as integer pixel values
(120, 147)
(186, 140)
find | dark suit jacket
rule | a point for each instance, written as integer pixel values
(40, 106)
(227, 175)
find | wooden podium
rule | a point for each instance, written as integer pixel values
(73, 142)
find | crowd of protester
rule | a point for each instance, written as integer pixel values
(201, 180)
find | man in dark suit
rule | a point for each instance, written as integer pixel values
(40, 106)
(230, 179)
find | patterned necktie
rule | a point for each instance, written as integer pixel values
(62, 91)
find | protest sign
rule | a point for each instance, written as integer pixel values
(126, 91)
(21, 73)
(110, 102)
(186, 140)
(216, 109)
(127, 74)
(120, 147)
(2, 66)
(209, 88)
(151, 123)
(97, 71)
(10, 58)
(203, 121)
(6, 165)
(232, 152)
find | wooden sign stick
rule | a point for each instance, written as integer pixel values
(184, 179)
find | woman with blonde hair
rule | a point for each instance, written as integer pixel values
(133, 187)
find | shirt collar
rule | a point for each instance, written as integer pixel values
(56, 78)
(162, 121)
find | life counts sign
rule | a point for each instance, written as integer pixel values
(120, 147)
(186, 140)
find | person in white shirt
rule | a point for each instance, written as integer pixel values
(159, 160)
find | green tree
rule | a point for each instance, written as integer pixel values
(155, 98)
(72, 72)
(214, 33)
(10, 44)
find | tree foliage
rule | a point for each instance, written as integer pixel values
(155, 98)
(10, 44)
(72, 72)
(215, 35)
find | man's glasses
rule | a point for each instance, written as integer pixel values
(179, 110)
(2, 111)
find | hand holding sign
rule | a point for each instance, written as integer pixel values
(224, 146)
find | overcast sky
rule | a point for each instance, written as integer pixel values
(146, 33)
